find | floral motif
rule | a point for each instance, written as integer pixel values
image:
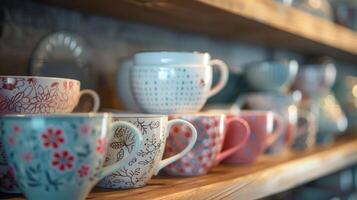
(27, 157)
(101, 145)
(16, 128)
(63, 160)
(12, 141)
(30, 95)
(7, 182)
(85, 129)
(83, 171)
(52, 138)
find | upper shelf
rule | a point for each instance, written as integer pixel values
(258, 21)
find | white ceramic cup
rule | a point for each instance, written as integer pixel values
(148, 161)
(174, 82)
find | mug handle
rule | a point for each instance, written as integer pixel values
(105, 171)
(271, 138)
(223, 69)
(167, 161)
(94, 95)
(246, 132)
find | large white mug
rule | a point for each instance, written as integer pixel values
(174, 82)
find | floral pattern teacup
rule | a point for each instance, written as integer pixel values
(148, 161)
(60, 156)
(35, 95)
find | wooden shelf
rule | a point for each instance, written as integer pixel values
(270, 175)
(258, 21)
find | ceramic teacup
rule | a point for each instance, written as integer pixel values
(174, 82)
(271, 75)
(124, 87)
(60, 156)
(265, 129)
(41, 95)
(148, 161)
(206, 153)
(284, 105)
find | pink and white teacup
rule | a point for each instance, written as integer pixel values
(265, 129)
(206, 153)
(41, 95)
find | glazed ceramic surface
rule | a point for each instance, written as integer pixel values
(35, 95)
(315, 80)
(148, 161)
(60, 156)
(207, 152)
(174, 82)
(283, 105)
(124, 86)
(264, 132)
(277, 76)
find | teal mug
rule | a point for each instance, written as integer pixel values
(60, 156)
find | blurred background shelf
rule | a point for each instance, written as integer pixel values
(261, 22)
(270, 175)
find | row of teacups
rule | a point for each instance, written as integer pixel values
(61, 155)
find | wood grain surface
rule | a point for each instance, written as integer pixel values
(270, 175)
(258, 21)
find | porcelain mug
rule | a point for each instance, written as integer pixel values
(265, 129)
(60, 156)
(284, 105)
(41, 95)
(174, 82)
(271, 75)
(148, 161)
(206, 153)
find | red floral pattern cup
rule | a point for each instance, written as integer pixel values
(41, 95)
(265, 129)
(206, 153)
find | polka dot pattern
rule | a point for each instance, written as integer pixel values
(168, 90)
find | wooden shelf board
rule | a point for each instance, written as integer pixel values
(270, 175)
(258, 21)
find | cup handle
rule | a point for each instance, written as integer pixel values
(167, 161)
(94, 95)
(105, 171)
(246, 132)
(307, 117)
(223, 69)
(275, 134)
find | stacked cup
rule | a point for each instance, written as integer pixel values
(177, 84)
(53, 153)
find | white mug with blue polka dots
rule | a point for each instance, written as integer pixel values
(174, 82)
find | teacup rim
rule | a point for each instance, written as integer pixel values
(136, 115)
(38, 77)
(198, 114)
(54, 115)
(170, 52)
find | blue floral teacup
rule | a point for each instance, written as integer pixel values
(60, 156)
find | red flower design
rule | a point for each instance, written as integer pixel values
(27, 157)
(101, 145)
(12, 141)
(7, 85)
(63, 160)
(85, 129)
(83, 171)
(16, 128)
(52, 137)
(31, 80)
(8, 179)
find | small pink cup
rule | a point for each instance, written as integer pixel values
(207, 152)
(265, 129)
